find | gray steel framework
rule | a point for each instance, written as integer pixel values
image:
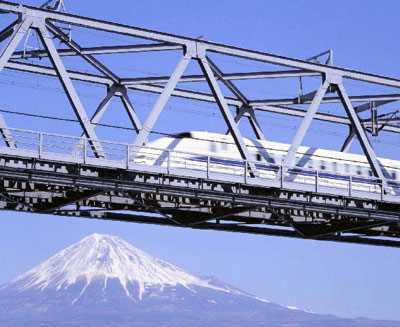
(45, 23)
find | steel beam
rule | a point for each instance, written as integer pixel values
(229, 84)
(371, 105)
(225, 76)
(249, 113)
(305, 124)
(348, 141)
(8, 31)
(98, 114)
(76, 47)
(226, 113)
(69, 88)
(6, 133)
(133, 117)
(190, 42)
(255, 125)
(356, 98)
(362, 137)
(143, 134)
(97, 79)
(14, 40)
(16, 32)
(134, 48)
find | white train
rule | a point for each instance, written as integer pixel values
(192, 150)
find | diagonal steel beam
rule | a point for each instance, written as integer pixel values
(360, 132)
(155, 112)
(348, 141)
(101, 109)
(6, 133)
(16, 32)
(255, 125)
(226, 113)
(305, 124)
(8, 31)
(150, 208)
(229, 84)
(69, 88)
(249, 113)
(75, 46)
(14, 40)
(130, 109)
(10, 198)
(72, 198)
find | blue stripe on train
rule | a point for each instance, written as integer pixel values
(275, 168)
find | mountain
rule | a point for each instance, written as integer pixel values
(104, 281)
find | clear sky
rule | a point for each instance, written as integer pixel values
(346, 280)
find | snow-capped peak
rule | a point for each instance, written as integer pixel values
(104, 257)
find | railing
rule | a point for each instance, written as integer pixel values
(114, 154)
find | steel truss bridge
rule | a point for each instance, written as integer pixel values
(83, 176)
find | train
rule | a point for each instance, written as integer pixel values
(192, 150)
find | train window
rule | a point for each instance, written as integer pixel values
(310, 163)
(334, 165)
(370, 173)
(258, 157)
(213, 147)
(224, 146)
(322, 165)
(347, 168)
(394, 175)
(359, 172)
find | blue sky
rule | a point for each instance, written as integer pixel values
(346, 280)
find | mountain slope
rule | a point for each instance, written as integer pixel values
(104, 281)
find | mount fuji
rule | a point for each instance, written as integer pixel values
(104, 281)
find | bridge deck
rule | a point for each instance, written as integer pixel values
(57, 174)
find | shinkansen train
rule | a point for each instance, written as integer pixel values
(196, 147)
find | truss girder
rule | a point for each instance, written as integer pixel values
(191, 42)
(237, 212)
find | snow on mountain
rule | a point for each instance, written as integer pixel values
(102, 258)
(103, 281)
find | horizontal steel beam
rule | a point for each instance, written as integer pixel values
(296, 112)
(49, 71)
(194, 44)
(100, 50)
(228, 77)
(227, 227)
(335, 99)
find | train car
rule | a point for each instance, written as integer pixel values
(193, 149)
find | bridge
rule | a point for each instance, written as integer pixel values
(84, 176)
